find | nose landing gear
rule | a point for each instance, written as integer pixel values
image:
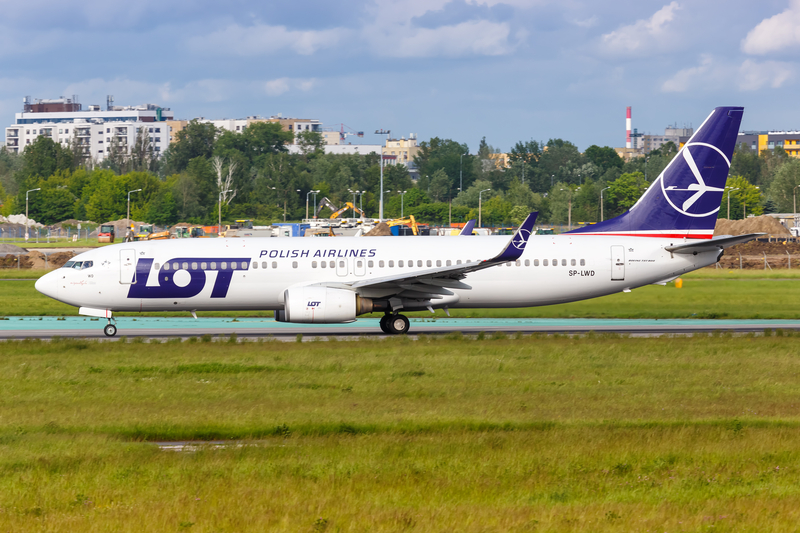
(111, 329)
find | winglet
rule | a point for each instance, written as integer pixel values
(516, 245)
(468, 227)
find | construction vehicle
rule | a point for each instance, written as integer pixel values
(189, 232)
(410, 221)
(347, 206)
(146, 233)
(325, 202)
(106, 233)
(545, 231)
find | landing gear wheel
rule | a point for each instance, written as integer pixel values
(110, 330)
(385, 323)
(398, 324)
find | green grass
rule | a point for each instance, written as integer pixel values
(60, 243)
(700, 297)
(598, 433)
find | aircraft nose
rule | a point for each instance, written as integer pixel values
(48, 284)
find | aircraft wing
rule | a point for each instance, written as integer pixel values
(434, 283)
(717, 243)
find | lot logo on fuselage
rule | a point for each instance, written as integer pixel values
(185, 277)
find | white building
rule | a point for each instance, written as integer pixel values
(64, 119)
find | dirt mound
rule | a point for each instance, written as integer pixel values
(57, 260)
(381, 230)
(763, 224)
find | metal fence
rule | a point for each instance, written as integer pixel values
(38, 235)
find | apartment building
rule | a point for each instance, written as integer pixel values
(64, 120)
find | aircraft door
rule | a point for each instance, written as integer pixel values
(127, 267)
(341, 267)
(617, 263)
(360, 266)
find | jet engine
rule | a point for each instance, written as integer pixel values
(324, 305)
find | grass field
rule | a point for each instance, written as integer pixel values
(598, 433)
(706, 294)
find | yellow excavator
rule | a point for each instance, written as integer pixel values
(410, 221)
(347, 205)
(146, 233)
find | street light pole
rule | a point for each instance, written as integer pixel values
(480, 206)
(461, 173)
(26, 210)
(569, 207)
(380, 207)
(402, 197)
(601, 203)
(315, 202)
(794, 194)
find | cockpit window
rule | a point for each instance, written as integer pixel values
(68, 264)
(77, 265)
(87, 264)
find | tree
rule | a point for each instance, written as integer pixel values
(783, 190)
(197, 139)
(310, 143)
(561, 161)
(603, 158)
(224, 185)
(447, 155)
(623, 193)
(746, 199)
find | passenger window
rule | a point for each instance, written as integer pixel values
(294, 264)
(341, 264)
(194, 266)
(233, 265)
(274, 264)
(449, 262)
(313, 264)
(419, 262)
(155, 266)
(508, 264)
(438, 262)
(264, 265)
(399, 263)
(527, 262)
(429, 263)
(572, 262)
(323, 264)
(175, 266)
(224, 265)
(255, 264)
(555, 262)
(213, 265)
(536, 262)
(332, 264)
(518, 262)
(563, 262)
(203, 265)
(380, 263)
(370, 264)
(583, 262)
(458, 261)
(244, 265)
(359, 263)
(166, 266)
(185, 265)
(544, 262)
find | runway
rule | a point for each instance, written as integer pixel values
(84, 327)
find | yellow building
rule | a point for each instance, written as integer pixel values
(403, 149)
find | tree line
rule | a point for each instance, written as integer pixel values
(253, 176)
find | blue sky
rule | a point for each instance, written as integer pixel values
(461, 69)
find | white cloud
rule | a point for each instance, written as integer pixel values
(279, 86)
(776, 33)
(643, 36)
(474, 37)
(687, 78)
(261, 39)
(773, 74)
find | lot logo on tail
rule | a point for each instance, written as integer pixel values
(690, 196)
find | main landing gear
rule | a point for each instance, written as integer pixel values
(394, 324)
(111, 329)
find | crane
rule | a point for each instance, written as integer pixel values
(344, 134)
(325, 202)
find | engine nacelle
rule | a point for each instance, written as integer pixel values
(323, 305)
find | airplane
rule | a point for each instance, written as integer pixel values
(667, 233)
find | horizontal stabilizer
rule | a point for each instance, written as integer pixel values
(717, 243)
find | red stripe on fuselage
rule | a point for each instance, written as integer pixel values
(658, 235)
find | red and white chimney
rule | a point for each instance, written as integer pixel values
(628, 128)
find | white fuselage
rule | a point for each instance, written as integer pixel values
(553, 269)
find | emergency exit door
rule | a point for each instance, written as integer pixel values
(617, 263)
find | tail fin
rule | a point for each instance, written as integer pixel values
(684, 200)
